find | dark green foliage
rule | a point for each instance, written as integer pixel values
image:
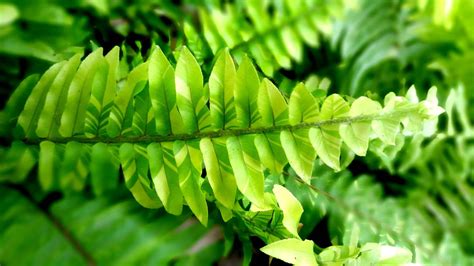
(381, 48)
(106, 230)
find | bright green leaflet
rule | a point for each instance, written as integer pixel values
(190, 94)
(291, 208)
(163, 171)
(189, 161)
(219, 171)
(326, 139)
(79, 93)
(221, 91)
(291, 250)
(356, 135)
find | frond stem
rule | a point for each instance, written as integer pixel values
(221, 133)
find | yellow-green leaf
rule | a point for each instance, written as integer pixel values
(356, 134)
(291, 208)
(293, 251)
(219, 171)
(222, 84)
(189, 162)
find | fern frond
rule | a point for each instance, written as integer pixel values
(299, 252)
(420, 222)
(381, 37)
(274, 39)
(447, 158)
(158, 127)
(450, 210)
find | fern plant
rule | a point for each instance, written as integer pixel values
(447, 157)
(357, 203)
(379, 37)
(158, 128)
(274, 34)
(224, 147)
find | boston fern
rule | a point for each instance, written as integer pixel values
(180, 141)
(272, 41)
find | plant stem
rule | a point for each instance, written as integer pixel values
(222, 133)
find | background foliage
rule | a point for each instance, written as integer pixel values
(417, 194)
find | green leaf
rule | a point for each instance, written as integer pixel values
(276, 46)
(196, 43)
(307, 32)
(163, 94)
(384, 255)
(73, 117)
(226, 214)
(102, 95)
(74, 167)
(293, 43)
(141, 191)
(299, 152)
(247, 168)
(388, 128)
(271, 152)
(55, 100)
(271, 105)
(48, 165)
(189, 162)
(302, 106)
(226, 28)
(143, 120)
(246, 95)
(164, 173)
(16, 102)
(123, 101)
(356, 134)
(17, 162)
(219, 171)
(222, 84)
(211, 33)
(294, 251)
(338, 255)
(291, 208)
(191, 97)
(28, 118)
(104, 169)
(333, 107)
(326, 139)
(263, 58)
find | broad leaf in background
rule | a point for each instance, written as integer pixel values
(108, 229)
